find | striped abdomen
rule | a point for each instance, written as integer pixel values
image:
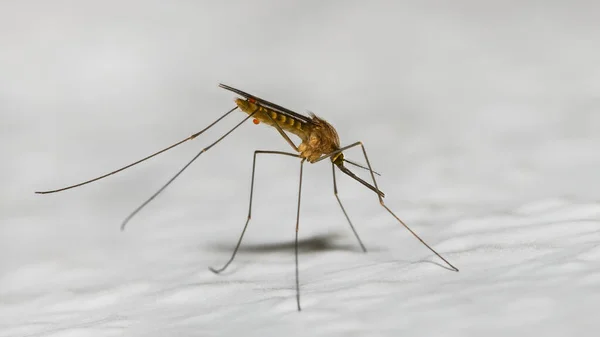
(287, 123)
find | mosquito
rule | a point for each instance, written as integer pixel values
(319, 141)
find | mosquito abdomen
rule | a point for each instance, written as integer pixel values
(267, 116)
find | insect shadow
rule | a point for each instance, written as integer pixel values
(316, 243)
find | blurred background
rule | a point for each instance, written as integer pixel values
(467, 108)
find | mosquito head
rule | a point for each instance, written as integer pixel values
(340, 164)
(338, 159)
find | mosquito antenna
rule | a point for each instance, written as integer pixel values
(358, 165)
(181, 171)
(141, 160)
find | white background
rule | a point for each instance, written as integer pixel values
(482, 116)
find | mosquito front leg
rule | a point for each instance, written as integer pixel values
(237, 246)
(335, 192)
(380, 196)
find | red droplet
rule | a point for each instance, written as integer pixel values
(252, 100)
(256, 121)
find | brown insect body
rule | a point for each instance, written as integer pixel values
(317, 135)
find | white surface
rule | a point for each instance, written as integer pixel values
(483, 118)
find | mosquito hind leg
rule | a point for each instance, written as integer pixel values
(335, 192)
(237, 246)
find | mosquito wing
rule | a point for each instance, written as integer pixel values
(267, 104)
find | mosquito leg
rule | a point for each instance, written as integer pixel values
(380, 197)
(395, 216)
(296, 241)
(237, 246)
(335, 192)
(136, 211)
(141, 160)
